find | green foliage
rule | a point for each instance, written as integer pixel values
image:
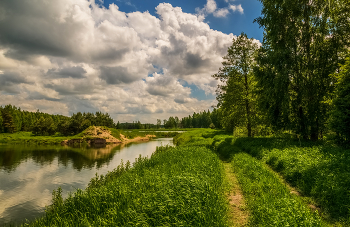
(175, 187)
(7, 122)
(1, 122)
(237, 97)
(303, 44)
(15, 120)
(44, 126)
(340, 118)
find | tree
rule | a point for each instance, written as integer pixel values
(340, 118)
(1, 122)
(170, 123)
(304, 41)
(236, 96)
(159, 123)
(8, 122)
(177, 122)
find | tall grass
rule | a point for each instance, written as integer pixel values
(269, 200)
(318, 170)
(175, 187)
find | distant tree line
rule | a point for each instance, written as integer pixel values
(13, 119)
(134, 125)
(205, 119)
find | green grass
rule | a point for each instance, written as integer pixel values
(179, 186)
(269, 200)
(318, 170)
(27, 137)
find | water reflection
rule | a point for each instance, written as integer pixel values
(83, 156)
(29, 174)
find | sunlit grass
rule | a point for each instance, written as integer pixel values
(176, 187)
(319, 171)
(269, 200)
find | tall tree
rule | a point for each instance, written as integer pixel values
(236, 94)
(303, 43)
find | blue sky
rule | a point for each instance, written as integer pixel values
(135, 59)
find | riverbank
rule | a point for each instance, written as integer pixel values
(176, 186)
(91, 134)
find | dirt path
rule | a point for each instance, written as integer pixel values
(238, 212)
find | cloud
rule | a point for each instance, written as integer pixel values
(221, 13)
(211, 8)
(164, 85)
(74, 55)
(117, 75)
(72, 72)
(238, 8)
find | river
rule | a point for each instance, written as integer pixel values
(29, 173)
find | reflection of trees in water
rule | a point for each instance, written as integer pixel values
(44, 157)
(11, 157)
(80, 156)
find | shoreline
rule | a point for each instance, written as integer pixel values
(101, 140)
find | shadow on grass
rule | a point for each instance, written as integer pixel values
(317, 169)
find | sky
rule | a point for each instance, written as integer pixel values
(134, 59)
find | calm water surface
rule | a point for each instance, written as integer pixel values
(29, 173)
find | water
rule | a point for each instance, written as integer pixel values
(29, 174)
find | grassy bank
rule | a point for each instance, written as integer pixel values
(179, 186)
(28, 137)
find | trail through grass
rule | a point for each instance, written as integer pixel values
(270, 202)
(238, 211)
(319, 171)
